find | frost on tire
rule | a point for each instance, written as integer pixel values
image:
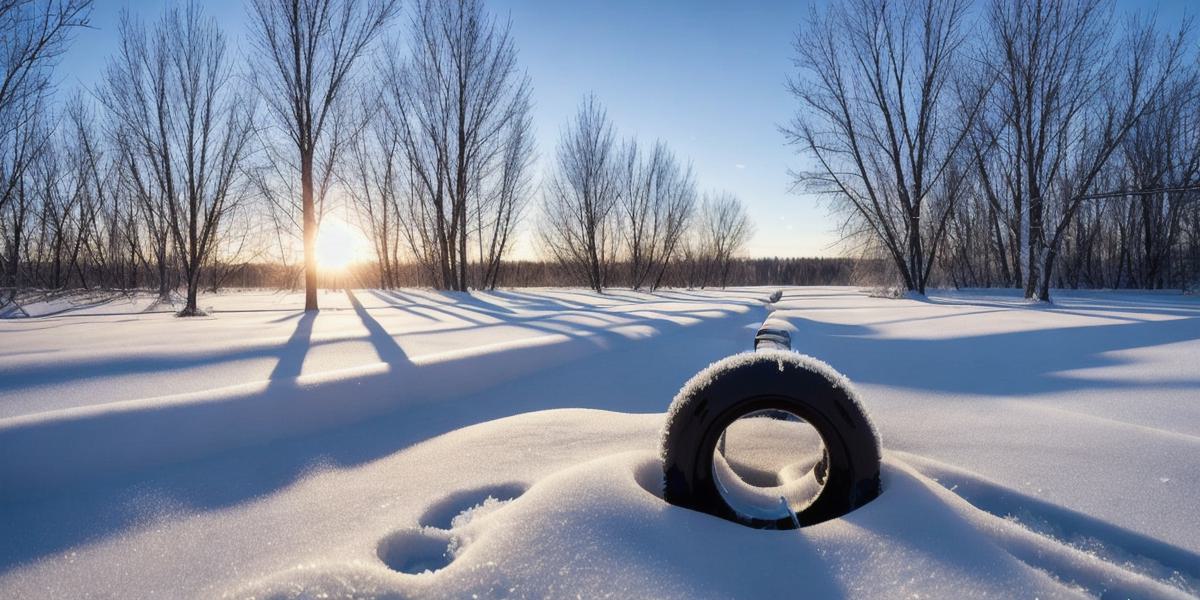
(770, 439)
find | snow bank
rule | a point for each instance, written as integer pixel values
(571, 509)
(595, 530)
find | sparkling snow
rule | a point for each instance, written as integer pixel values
(423, 444)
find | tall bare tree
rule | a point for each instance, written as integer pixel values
(58, 184)
(1070, 94)
(373, 179)
(579, 227)
(171, 94)
(307, 54)
(93, 183)
(461, 110)
(884, 116)
(722, 230)
(33, 34)
(21, 146)
(657, 202)
(500, 210)
(1161, 152)
(149, 212)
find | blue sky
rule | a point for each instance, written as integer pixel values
(707, 77)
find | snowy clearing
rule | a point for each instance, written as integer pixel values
(421, 444)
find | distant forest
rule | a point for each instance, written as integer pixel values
(742, 272)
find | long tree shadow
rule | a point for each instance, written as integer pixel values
(473, 316)
(405, 307)
(480, 303)
(1004, 364)
(558, 321)
(291, 359)
(1076, 302)
(291, 356)
(535, 301)
(615, 380)
(385, 345)
(441, 307)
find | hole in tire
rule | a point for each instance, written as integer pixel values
(769, 465)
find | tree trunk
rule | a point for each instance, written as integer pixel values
(164, 286)
(1037, 246)
(1043, 288)
(190, 308)
(310, 231)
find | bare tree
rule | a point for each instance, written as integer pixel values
(460, 108)
(93, 184)
(34, 34)
(148, 216)
(21, 146)
(172, 96)
(371, 181)
(1071, 95)
(657, 202)
(500, 210)
(307, 53)
(579, 227)
(1161, 152)
(56, 183)
(722, 230)
(883, 117)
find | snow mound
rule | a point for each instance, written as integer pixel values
(573, 532)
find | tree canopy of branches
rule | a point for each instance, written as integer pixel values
(174, 103)
(657, 204)
(457, 112)
(883, 114)
(307, 54)
(1022, 143)
(721, 231)
(33, 34)
(999, 167)
(579, 227)
(1068, 93)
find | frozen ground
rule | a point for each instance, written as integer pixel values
(417, 444)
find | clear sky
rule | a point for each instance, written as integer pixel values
(705, 76)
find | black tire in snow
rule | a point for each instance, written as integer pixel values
(779, 380)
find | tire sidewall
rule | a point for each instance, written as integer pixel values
(760, 384)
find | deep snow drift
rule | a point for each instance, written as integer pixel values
(416, 444)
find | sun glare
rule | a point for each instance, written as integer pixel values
(338, 245)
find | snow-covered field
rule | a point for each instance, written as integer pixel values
(423, 444)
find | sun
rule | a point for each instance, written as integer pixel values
(339, 245)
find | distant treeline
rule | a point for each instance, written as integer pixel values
(524, 273)
(743, 271)
(533, 273)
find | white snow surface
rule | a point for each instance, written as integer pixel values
(419, 444)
